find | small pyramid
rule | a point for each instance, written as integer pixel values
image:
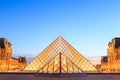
(60, 57)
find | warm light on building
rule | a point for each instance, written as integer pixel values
(112, 60)
(59, 57)
(7, 62)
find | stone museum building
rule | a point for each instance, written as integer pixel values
(111, 62)
(7, 62)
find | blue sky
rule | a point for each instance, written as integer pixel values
(88, 25)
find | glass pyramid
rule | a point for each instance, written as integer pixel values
(60, 57)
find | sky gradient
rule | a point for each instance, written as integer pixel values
(88, 25)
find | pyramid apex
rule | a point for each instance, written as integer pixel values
(60, 37)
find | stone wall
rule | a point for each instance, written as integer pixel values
(7, 62)
(113, 54)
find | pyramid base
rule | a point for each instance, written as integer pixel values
(57, 75)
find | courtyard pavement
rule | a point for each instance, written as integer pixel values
(57, 77)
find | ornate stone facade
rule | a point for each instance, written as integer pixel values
(111, 62)
(7, 62)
